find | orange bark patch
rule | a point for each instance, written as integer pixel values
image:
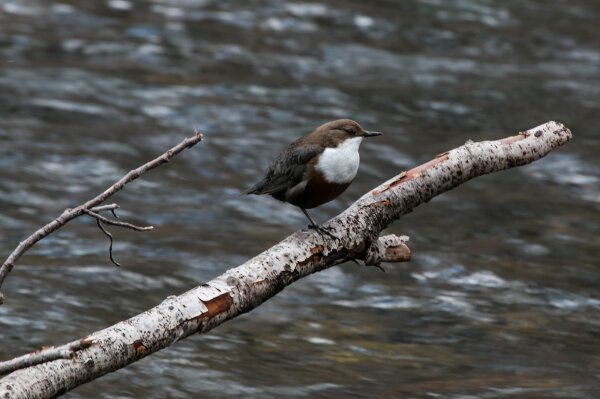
(214, 307)
(139, 346)
(317, 254)
(218, 304)
(387, 202)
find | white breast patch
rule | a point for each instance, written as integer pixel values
(340, 164)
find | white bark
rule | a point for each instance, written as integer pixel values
(243, 288)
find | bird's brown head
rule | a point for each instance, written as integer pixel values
(333, 133)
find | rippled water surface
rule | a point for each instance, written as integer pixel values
(502, 296)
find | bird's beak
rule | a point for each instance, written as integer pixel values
(372, 134)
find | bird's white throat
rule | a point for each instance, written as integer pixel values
(340, 164)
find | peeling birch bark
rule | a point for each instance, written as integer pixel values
(245, 287)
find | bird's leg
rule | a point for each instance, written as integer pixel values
(315, 226)
(312, 222)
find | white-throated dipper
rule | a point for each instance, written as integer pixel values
(316, 168)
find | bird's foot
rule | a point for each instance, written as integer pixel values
(323, 230)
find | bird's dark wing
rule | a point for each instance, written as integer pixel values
(286, 170)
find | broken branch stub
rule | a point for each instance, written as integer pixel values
(243, 288)
(390, 248)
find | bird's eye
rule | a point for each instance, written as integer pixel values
(350, 130)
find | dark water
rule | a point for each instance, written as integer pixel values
(502, 297)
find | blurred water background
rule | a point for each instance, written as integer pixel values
(502, 296)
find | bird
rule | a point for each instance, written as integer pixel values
(316, 168)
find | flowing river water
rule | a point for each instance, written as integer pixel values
(502, 296)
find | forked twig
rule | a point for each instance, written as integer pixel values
(101, 219)
(70, 214)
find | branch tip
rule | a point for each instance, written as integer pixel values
(198, 134)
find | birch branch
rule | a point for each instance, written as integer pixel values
(247, 286)
(70, 214)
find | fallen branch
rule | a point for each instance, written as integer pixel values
(245, 287)
(70, 214)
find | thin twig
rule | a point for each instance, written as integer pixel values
(110, 207)
(45, 355)
(116, 222)
(101, 219)
(110, 237)
(71, 214)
